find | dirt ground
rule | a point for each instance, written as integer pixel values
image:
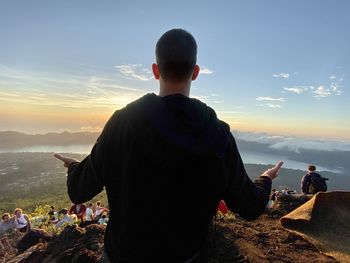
(236, 240)
(262, 240)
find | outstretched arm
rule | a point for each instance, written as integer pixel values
(67, 161)
(272, 173)
(84, 179)
(243, 196)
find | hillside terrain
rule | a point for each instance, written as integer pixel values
(323, 154)
(236, 240)
(30, 179)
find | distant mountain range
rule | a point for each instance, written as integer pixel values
(335, 159)
(12, 140)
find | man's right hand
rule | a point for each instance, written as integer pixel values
(66, 160)
(272, 173)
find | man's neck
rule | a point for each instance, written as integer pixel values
(167, 88)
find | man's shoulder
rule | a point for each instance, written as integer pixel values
(314, 175)
(133, 107)
(212, 113)
(140, 102)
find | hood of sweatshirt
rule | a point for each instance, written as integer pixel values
(183, 125)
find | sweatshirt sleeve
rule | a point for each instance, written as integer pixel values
(305, 183)
(243, 196)
(85, 179)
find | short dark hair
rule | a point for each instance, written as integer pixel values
(311, 168)
(63, 211)
(176, 55)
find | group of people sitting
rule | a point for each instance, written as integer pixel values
(20, 223)
(92, 214)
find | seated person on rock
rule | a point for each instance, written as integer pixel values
(79, 210)
(312, 182)
(67, 219)
(22, 221)
(7, 228)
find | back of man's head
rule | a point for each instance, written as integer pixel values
(311, 168)
(176, 55)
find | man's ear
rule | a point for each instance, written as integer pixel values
(195, 72)
(155, 71)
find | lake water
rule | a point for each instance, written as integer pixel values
(259, 158)
(247, 156)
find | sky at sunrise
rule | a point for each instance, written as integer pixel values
(280, 67)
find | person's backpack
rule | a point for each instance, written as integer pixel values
(318, 184)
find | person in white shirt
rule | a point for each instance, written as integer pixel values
(22, 222)
(103, 220)
(89, 214)
(69, 219)
(98, 210)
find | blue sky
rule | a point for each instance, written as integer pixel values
(280, 67)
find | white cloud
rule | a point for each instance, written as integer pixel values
(206, 71)
(335, 88)
(64, 90)
(297, 89)
(270, 105)
(269, 99)
(281, 75)
(332, 77)
(135, 71)
(294, 144)
(321, 92)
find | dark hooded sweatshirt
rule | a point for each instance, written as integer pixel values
(165, 162)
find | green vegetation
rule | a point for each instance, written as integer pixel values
(28, 180)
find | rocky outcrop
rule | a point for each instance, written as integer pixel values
(33, 237)
(287, 203)
(236, 240)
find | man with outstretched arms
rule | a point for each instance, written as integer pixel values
(161, 158)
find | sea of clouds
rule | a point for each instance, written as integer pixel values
(294, 144)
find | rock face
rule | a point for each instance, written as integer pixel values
(287, 203)
(236, 240)
(74, 244)
(32, 238)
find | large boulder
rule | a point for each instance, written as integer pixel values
(287, 203)
(33, 237)
(76, 244)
